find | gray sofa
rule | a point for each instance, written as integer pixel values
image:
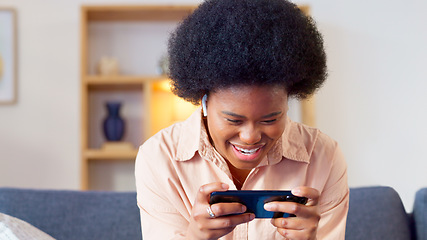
(420, 214)
(375, 213)
(75, 214)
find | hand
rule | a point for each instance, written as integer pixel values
(304, 225)
(203, 226)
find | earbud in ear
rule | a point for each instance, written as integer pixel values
(205, 111)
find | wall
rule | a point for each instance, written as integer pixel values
(372, 103)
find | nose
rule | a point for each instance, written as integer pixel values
(250, 134)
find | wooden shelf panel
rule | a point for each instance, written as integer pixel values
(138, 13)
(99, 154)
(121, 82)
(121, 79)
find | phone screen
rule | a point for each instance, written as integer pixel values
(254, 200)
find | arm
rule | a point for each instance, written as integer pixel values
(324, 216)
(154, 197)
(334, 200)
(167, 212)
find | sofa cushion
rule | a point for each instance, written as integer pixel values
(75, 214)
(420, 214)
(377, 213)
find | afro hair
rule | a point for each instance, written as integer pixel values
(225, 43)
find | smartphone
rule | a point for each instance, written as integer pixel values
(254, 200)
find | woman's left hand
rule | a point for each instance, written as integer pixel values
(304, 225)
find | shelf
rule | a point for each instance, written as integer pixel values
(100, 155)
(137, 13)
(137, 37)
(121, 79)
(121, 82)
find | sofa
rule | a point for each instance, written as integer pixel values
(75, 214)
(377, 213)
(374, 213)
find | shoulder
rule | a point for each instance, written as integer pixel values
(155, 160)
(326, 165)
(305, 143)
(177, 142)
(313, 142)
(312, 134)
(324, 152)
(163, 144)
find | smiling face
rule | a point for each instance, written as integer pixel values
(244, 122)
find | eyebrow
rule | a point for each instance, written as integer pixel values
(273, 114)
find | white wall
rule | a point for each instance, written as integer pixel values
(372, 103)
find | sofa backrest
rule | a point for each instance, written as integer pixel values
(420, 214)
(377, 213)
(75, 214)
(374, 213)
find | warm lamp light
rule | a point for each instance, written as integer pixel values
(182, 109)
(168, 108)
(164, 86)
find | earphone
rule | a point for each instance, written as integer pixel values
(205, 111)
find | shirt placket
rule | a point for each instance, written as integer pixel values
(241, 232)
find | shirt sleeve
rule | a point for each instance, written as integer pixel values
(334, 201)
(161, 217)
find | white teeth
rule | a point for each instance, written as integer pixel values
(247, 151)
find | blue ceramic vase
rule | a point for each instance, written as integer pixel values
(114, 126)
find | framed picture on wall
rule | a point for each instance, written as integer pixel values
(8, 56)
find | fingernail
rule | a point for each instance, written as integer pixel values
(252, 217)
(283, 222)
(269, 206)
(284, 232)
(224, 186)
(243, 208)
(296, 191)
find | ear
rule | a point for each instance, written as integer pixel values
(205, 111)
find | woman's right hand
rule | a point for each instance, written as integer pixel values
(203, 226)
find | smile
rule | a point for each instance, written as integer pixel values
(247, 152)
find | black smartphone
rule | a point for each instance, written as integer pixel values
(254, 200)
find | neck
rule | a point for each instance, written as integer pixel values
(239, 175)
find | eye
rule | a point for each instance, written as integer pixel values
(269, 121)
(233, 121)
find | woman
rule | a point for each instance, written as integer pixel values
(242, 60)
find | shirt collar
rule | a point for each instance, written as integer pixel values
(297, 142)
(191, 136)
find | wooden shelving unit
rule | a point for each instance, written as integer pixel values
(108, 27)
(95, 154)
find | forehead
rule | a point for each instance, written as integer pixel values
(243, 96)
(251, 90)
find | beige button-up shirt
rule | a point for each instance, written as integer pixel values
(173, 164)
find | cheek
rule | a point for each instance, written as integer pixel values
(220, 131)
(225, 133)
(275, 132)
